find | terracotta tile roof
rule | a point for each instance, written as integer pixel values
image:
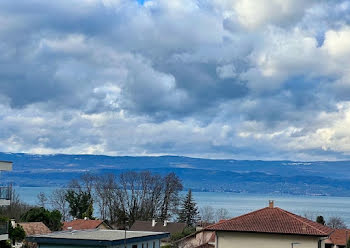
(272, 220)
(34, 228)
(81, 224)
(339, 237)
(159, 227)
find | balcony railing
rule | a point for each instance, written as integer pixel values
(5, 193)
(3, 227)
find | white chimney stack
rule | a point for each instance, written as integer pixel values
(153, 222)
(85, 218)
(165, 222)
(13, 223)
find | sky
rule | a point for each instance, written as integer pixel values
(240, 79)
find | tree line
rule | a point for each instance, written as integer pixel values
(122, 199)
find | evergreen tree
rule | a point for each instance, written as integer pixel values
(320, 220)
(80, 204)
(52, 219)
(16, 234)
(189, 212)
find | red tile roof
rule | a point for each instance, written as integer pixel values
(339, 237)
(81, 224)
(272, 220)
(34, 228)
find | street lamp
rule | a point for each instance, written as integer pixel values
(294, 243)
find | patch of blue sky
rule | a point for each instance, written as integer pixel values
(141, 1)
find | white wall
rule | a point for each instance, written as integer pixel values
(139, 244)
(4, 237)
(251, 240)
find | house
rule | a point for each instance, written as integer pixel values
(270, 227)
(99, 238)
(31, 228)
(338, 238)
(164, 226)
(34, 228)
(84, 224)
(5, 199)
(202, 238)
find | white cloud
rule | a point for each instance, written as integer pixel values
(244, 79)
(255, 14)
(336, 44)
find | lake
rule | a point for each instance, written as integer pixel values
(237, 204)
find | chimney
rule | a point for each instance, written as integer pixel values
(85, 218)
(165, 223)
(13, 223)
(271, 204)
(153, 222)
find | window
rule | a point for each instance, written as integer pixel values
(154, 244)
(143, 245)
(147, 245)
(134, 246)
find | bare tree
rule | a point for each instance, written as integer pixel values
(207, 214)
(42, 199)
(58, 202)
(129, 196)
(336, 223)
(138, 195)
(16, 208)
(310, 215)
(221, 214)
(143, 196)
(105, 194)
(88, 182)
(172, 186)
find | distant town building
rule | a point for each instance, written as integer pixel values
(99, 238)
(5, 199)
(270, 227)
(85, 224)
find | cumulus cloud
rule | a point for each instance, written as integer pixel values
(222, 78)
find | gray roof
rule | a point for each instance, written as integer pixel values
(96, 237)
(171, 227)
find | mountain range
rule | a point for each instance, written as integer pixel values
(241, 176)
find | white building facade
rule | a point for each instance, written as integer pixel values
(5, 199)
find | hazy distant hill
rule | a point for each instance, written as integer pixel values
(327, 178)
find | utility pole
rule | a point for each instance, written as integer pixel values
(125, 233)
